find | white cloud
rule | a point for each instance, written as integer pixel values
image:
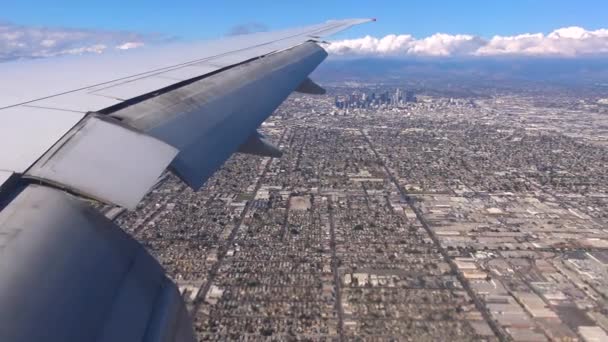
(441, 44)
(17, 42)
(129, 45)
(564, 42)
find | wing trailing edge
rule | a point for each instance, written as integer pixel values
(102, 159)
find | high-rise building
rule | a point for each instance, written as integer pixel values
(410, 96)
(373, 100)
(397, 99)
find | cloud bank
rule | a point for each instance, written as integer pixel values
(18, 42)
(564, 42)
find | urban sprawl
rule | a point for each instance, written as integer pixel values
(395, 215)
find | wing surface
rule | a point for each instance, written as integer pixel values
(33, 82)
(42, 101)
(106, 127)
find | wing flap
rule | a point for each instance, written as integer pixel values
(106, 161)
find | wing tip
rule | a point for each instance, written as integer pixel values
(352, 21)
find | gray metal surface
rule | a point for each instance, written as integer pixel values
(187, 72)
(80, 101)
(208, 120)
(27, 133)
(106, 161)
(69, 274)
(28, 81)
(128, 90)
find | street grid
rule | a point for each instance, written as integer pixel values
(457, 219)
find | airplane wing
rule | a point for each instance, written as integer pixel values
(105, 127)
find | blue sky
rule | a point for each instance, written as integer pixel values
(430, 28)
(208, 19)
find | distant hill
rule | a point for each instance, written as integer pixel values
(467, 72)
